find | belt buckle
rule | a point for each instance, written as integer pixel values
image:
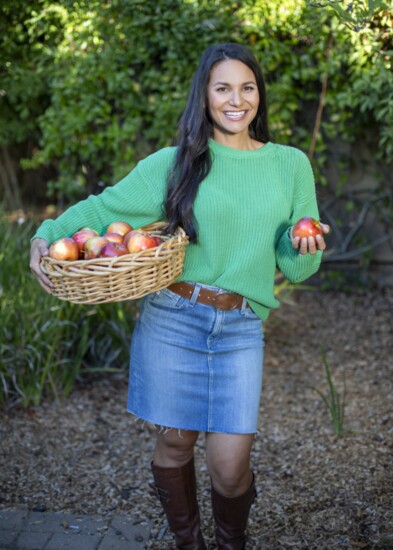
(221, 301)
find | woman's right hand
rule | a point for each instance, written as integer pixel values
(39, 248)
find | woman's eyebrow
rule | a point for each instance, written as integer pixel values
(228, 84)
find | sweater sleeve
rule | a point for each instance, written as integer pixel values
(136, 199)
(292, 265)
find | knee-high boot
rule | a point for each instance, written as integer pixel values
(176, 489)
(231, 516)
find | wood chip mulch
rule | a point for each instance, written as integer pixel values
(316, 491)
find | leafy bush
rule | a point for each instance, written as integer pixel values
(115, 74)
(98, 85)
(46, 344)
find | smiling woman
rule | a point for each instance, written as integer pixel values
(233, 102)
(197, 348)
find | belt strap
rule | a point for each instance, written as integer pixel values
(219, 300)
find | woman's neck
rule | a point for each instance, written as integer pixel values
(237, 141)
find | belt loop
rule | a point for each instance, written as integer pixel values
(195, 293)
(244, 306)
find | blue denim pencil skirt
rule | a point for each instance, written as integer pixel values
(194, 367)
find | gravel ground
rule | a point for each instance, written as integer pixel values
(315, 490)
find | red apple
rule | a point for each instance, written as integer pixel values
(141, 241)
(131, 233)
(307, 227)
(119, 227)
(81, 236)
(64, 249)
(112, 250)
(159, 240)
(93, 247)
(113, 237)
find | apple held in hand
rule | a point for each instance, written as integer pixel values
(93, 247)
(64, 249)
(139, 242)
(307, 227)
(113, 250)
(119, 227)
(84, 234)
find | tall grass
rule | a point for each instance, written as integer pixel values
(47, 344)
(333, 399)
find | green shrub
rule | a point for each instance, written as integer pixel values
(46, 344)
(95, 86)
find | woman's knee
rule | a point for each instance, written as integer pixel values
(228, 461)
(231, 479)
(174, 448)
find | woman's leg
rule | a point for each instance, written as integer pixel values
(233, 487)
(175, 484)
(174, 448)
(228, 461)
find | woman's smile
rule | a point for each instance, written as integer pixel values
(235, 115)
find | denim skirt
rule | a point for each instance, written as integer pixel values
(194, 367)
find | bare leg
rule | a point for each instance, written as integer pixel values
(228, 461)
(173, 448)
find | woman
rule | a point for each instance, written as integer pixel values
(197, 349)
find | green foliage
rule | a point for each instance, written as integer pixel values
(298, 45)
(46, 344)
(355, 14)
(97, 85)
(117, 81)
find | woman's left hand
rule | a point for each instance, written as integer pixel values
(310, 245)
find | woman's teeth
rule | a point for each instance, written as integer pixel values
(235, 114)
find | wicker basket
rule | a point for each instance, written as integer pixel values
(125, 277)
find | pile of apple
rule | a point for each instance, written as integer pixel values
(120, 238)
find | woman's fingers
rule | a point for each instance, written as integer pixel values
(325, 227)
(310, 245)
(40, 248)
(321, 245)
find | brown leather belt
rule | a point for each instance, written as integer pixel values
(219, 300)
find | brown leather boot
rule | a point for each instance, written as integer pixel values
(231, 516)
(176, 489)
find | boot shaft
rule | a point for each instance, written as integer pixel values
(231, 517)
(176, 489)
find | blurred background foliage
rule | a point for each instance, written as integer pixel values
(87, 88)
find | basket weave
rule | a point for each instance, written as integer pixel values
(125, 277)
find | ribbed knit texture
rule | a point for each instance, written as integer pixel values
(243, 208)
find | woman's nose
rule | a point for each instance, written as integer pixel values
(235, 98)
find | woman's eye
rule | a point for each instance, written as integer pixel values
(221, 89)
(249, 88)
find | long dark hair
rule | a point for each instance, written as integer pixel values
(192, 161)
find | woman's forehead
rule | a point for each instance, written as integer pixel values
(231, 70)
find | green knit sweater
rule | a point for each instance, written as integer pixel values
(243, 208)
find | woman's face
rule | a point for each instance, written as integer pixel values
(232, 98)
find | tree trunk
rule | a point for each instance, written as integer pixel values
(9, 181)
